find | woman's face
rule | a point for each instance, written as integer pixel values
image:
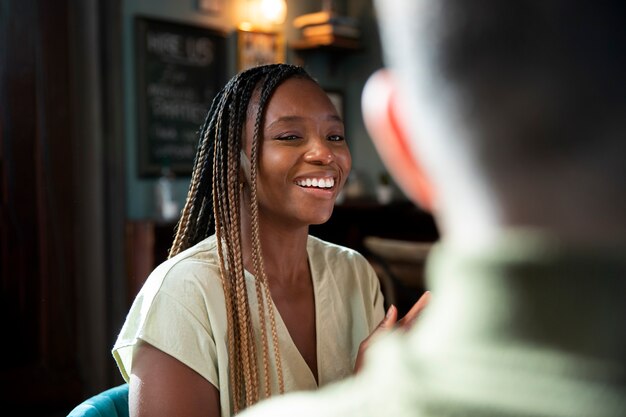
(304, 159)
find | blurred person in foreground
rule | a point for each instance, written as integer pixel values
(508, 121)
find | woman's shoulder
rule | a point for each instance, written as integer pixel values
(346, 268)
(196, 267)
(333, 253)
(203, 252)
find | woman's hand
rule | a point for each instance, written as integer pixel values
(390, 322)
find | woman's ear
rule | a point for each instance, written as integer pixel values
(388, 128)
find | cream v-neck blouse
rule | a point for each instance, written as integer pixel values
(180, 310)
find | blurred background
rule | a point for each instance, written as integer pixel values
(100, 104)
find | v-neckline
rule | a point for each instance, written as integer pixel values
(284, 329)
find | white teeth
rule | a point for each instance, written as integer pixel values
(317, 182)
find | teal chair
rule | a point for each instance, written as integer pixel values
(110, 403)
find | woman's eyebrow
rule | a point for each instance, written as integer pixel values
(287, 119)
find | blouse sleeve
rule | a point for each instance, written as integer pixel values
(174, 312)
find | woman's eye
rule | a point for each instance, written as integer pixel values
(336, 138)
(288, 137)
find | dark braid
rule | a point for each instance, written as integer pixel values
(213, 203)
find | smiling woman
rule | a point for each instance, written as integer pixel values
(303, 146)
(234, 315)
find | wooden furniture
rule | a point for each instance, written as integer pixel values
(335, 47)
(400, 267)
(331, 44)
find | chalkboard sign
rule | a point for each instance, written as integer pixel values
(180, 68)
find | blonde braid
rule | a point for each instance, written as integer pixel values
(263, 286)
(182, 226)
(220, 227)
(215, 193)
(247, 330)
(187, 221)
(260, 274)
(239, 356)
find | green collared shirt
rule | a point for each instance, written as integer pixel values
(524, 327)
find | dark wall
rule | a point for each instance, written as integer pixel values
(61, 211)
(39, 373)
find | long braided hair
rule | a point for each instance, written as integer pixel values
(213, 203)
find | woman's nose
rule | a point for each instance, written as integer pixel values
(319, 152)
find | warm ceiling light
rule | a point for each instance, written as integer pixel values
(273, 11)
(262, 14)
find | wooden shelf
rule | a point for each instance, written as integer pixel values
(334, 46)
(327, 42)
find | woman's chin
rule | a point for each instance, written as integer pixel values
(321, 219)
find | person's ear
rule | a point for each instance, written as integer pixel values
(388, 129)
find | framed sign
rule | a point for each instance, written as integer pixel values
(259, 48)
(180, 68)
